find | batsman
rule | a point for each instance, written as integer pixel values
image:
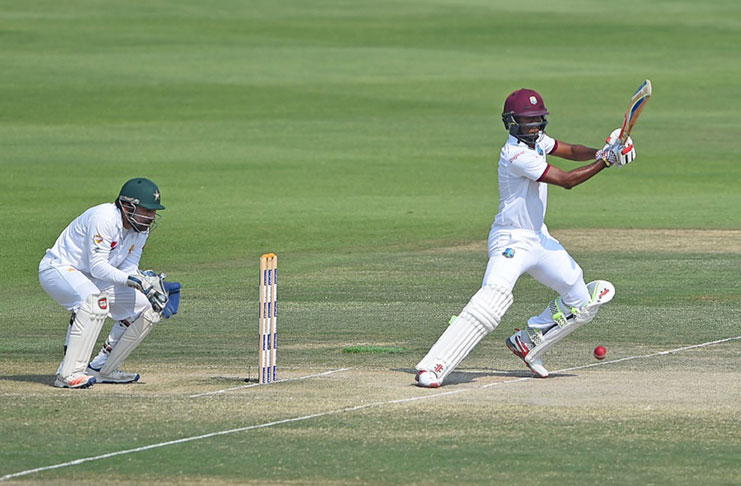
(519, 243)
(93, 271)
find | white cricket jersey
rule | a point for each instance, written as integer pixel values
(97, 244)
(522, 198)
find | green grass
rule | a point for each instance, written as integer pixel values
(359, 141)
(373, 349)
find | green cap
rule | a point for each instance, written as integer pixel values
(141, 192)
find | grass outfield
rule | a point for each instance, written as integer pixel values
(359, 140)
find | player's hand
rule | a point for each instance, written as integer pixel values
(136, 282)
(625, 154)
(615, 153)
(151, 285)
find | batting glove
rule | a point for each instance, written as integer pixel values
(615, 153)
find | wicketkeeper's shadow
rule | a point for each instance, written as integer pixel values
(43, 379)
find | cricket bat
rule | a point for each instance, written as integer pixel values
(637, 102)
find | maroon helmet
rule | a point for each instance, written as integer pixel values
(524, 102)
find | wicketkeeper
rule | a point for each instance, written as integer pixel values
(519, 243)
(93, 271)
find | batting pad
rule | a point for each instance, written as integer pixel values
(83, 333)
(481, 315)
(130, 339)
(600, 292)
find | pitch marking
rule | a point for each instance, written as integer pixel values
(344, 410)
(276, 381)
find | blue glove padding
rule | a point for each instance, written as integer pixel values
(173, 291)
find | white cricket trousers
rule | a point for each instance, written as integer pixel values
(514, 252)
(70, 287)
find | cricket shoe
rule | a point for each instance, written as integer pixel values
(78, 380)
(520, 344)
(116, 376)
(427, 379)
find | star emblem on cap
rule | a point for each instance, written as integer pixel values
(156, 195)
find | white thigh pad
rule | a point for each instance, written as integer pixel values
(480, 316)
(83, 333)
(130, 339)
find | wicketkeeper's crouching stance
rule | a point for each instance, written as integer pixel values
(519, 243)
(93, 271)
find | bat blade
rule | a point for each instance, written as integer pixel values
(637, 103)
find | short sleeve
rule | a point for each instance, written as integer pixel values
(525, 163)
(547, 144)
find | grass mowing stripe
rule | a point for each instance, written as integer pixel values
(374, 349)
(217, 392)
(349, 409)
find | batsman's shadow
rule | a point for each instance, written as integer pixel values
(42, 379)
(464, 376)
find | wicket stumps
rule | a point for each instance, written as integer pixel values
(268, 316)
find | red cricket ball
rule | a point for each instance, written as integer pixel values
(600, 352)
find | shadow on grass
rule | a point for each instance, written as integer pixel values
(459, 377)
(43, 379)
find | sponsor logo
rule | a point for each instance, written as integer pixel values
(508, 253)
(438, 368)
(603, 293)
(103, 303)
(131, 249)
(114, 244)
(533, 100)
(515, 157)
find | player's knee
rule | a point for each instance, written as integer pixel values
(94, 305)
(488, 305)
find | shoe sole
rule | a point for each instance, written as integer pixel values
(87, 384)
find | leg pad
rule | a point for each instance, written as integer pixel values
(481, 315)
(83, 333)
(130, 339)
(600, 292)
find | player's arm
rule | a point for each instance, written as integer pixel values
(567, 180)
(99, 239)
(131, 264)
(613, 153)
(573, 152)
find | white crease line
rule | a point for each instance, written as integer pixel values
(276, 381)
(342, 410)
(629, 358)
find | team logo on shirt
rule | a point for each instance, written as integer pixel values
(508, 253)
(98, 239)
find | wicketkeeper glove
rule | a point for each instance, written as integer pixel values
(151, 285)
(173, 301)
